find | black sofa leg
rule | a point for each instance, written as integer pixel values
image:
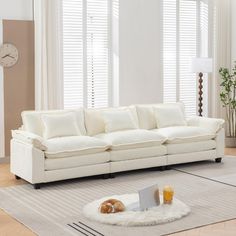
(37, 186)
(218, 160)
(162, 168)
(112, 175)
(105, 176)
(17, 177)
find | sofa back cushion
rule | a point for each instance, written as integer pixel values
(60, 125)
(32, 120)
(167, 116)
(147, 117)
(119, 120)
(94, 120)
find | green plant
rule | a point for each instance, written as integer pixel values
(228, 97)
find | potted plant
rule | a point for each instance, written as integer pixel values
(228, 99)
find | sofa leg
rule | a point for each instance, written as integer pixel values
(162, 168)
(112, 175)
(17, 177)
(218, 160)
(37, 186)
(105, 176)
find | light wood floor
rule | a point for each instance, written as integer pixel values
(11, 227)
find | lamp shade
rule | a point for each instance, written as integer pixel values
(202, 64)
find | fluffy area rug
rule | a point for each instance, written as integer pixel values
(156, 215)
(57, 208)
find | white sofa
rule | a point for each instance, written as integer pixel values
(64, 144)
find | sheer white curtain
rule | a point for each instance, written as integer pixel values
(48, 55)
(221, 50)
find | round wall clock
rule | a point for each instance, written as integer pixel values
(8, 55)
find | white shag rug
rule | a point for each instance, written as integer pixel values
(156, 215)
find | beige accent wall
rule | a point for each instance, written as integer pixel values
(19, 79)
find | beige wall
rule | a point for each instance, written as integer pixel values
(19, 79)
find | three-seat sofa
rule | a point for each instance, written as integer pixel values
(64, 144)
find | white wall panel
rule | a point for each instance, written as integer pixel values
(140, 52)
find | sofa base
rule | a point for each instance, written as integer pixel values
(77, 172)
(191, 157)
(28, 162)
(120, 166)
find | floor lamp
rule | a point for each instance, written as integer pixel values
(201, 65)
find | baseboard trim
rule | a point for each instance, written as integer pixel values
(4, 160)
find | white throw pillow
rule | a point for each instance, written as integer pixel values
(60, 125)
(211, 124)
(118, 120)
(94, 120)
(146, 117)
(32, 121)
(169, 116)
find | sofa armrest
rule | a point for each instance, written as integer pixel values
(27, 161)
(29, 138)
(212, 124)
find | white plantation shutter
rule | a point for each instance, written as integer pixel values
(187, 51)
(97, 53)
(73, 53)
(86, 42)
(170, 50)
(182, 42)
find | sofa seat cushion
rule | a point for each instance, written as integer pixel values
(76, 161)
(128, 139)
(176, 148)
(74, 146)
(185, 134)
(137, 153)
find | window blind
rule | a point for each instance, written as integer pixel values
(73, 53)
(184, 27)
(86, 42)
(187, 51)
(170, 50)
(97, 53)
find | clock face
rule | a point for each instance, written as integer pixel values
(8, 55)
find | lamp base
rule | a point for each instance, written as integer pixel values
(200, 93)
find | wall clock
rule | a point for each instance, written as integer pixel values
(8, 55)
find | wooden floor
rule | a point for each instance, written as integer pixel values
(11, 227)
